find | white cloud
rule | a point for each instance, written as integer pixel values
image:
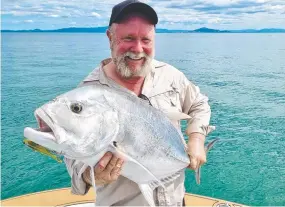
(29, 21)
(182, 14)
(277, 7)
(54, 15)
(94, 14)
(16, 13)
(17, 6)
(215, 20)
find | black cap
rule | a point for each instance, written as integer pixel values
(120, 10)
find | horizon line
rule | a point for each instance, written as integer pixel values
(201, 29)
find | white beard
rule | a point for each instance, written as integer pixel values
(125, 71)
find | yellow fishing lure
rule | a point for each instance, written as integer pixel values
(41, 149)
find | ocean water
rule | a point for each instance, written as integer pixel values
(242, 74)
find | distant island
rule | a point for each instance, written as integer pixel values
(200, 30)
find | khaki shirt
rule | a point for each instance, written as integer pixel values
(167, 89)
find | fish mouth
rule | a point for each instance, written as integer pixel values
(45, 124)
(44, 135)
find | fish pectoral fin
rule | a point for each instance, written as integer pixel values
(147, 191)
(132, 165)
(175, 115)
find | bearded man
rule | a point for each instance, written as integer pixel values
(132, 67)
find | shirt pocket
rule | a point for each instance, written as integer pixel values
(167, 99)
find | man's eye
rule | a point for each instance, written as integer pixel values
(128, 38)
(146, 40)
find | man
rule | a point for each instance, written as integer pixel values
(131, 35)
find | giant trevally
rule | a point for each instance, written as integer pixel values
(88, 121)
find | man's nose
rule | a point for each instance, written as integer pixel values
(137, 47)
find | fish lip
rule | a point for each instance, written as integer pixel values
(42, 116)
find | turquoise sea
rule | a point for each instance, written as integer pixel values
(242, 74)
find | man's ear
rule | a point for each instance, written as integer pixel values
(110, 37)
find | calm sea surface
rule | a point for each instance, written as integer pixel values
(242, 74)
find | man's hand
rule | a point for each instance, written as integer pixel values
(107, 170)
(196, 150)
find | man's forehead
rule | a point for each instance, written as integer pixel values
(129, 30)
(134, 22)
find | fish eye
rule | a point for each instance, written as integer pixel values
(76, 108)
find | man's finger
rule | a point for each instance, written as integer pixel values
(118, 166)
(111, 165)
(115, 173)
(86, 175)
(194, 164)
(103, 162)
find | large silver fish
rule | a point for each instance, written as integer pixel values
(88, 121)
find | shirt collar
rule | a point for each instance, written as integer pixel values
(99, 75)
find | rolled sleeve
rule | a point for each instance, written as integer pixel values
(78, 186)
(196, 105)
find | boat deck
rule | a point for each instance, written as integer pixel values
(63, 198)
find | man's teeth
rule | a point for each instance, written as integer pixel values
(135, 58)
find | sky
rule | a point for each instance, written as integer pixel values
(172, 14)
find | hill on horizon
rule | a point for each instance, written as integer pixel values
(158, 30)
